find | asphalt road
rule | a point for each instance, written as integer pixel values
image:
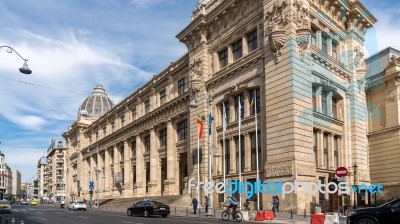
(54, 215)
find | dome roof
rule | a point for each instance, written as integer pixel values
(96, 104)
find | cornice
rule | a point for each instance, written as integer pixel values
(384, 130)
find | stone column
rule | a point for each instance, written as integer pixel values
(171, 160)
(329, 104)
(127, 166)
(319, 39)
(140, 181)
(154, 168)
(246, 104)
(100, 165)
(318, 98)
(320, 149)
(247, 152)
(233, 156)
(117, 166)
(107, 169)
(232, 116)
(245, 48)
(230, 54)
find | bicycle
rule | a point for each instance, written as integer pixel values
(236, 215)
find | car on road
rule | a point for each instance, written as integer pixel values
(33, 202)
(388, 213)
(24, 202)
(77, 205)
(5, 206)
(146, 208)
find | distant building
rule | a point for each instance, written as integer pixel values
(16, 184)
(41, 191)
(5, 177)
(54, 176)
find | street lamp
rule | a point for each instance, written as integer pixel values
(355, 186)
(24, 69)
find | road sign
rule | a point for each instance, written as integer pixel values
(341, 171)
(91, 185)
(342, 179)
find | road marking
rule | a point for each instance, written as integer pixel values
(59, 213)
(41, 218)
(85, 217)
(128, 222)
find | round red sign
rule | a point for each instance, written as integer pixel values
(341, 171)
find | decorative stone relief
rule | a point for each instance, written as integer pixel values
(195, 76)
(301, 15)
(306, 170)
(362, 84)
(390, 96)
(275, 24)
(279, 171)
(358, 56)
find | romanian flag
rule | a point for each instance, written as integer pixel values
(251, 104)
(200, 127)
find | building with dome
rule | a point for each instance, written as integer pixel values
(301, 63)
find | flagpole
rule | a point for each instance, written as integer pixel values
(240, 156)
(223, 142)
(258, 175)
(198, 163)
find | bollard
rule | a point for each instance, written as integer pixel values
(6, 220)
(291, 213)
(305, 214)
(13, 220)
(175, 210)
(187, 211)
(22, 221)
(199, 212)
(214, 212)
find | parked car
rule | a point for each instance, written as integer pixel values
(77, 205)
(388, 213)
(147, 208)
(24, 202)
(33, 202)
(5, 206)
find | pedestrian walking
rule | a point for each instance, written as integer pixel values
(207, 203)
(194, 203)
(277, 204)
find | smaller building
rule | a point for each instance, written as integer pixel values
(5, 177)
(55, 181)
(41, 191)
(16, 184)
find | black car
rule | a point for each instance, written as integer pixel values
(388, 213)
(147, 208)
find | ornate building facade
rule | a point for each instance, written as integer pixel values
(300, 60)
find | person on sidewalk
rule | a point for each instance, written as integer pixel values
(277, 204)
(274, 205)
(194, 203)
(207, 203)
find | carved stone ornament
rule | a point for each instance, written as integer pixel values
(306, 170)
(275, 24)
(279, 171)
(195, 76)
(303, 39)
(390, 96)
(301, 15)
(362, 84)
(358, 56)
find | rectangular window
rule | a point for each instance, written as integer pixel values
(223, 58)
(113, 126)
(314, 98)
(325, 44)
(196, 155)
(104, 131)
(336, 151)
(181, 86)
(313, 36)
(242, 158)
(163, 137)
(334, 107)
(335, 50)
(122, 120)
(133, 114)
(325, 150)
(237, 50)
(252, 41)
(254, 151)
(227, 155)
(147, 106)
(182, 130)
(315, 144)
(321, 194)
(133, 148)
(121, 153)
(257, 101)
(146, 143)
(227, 112)
(162, 97)
(241, 105)
(324, 102)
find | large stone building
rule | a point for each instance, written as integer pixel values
(302, 62)
(383, 95)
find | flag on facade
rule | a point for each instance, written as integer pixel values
(210, 120)
(252, 104)
(199, 127)
(224, 117)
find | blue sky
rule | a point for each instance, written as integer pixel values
(72, 45)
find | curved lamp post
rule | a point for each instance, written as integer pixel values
(24, 69)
